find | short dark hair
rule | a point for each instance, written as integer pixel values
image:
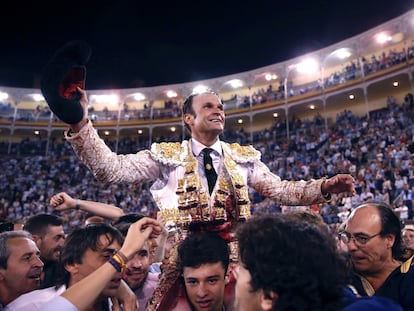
(124, 222)
(38, 224)
(201, 248)
(188, 105)
(390, 224)
(293, 258)
(79, 241)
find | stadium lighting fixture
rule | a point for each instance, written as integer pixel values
(109, 99)
(38, 97)
(382, 38)
(139, 96)
(395, 83)
(199, 89)
(308, 66)
(342, 53)
(235, 83)
(171, 94)
(270, 76)
(4, 96)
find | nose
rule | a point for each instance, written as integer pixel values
(135, 262)
(202, 290)
(218, 110)
(351, 245)
(38, 262)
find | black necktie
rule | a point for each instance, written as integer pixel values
(209, 169)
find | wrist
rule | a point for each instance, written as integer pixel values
(124, 254)
(325, 193)
(77, 204)
(75, 128)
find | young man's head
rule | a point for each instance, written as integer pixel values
(137, 267)
(204, 115)
(48, 234)
(20, 265)
(203, 259)
(85, 250)
(287, 264)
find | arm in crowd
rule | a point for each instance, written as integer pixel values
(161, 240)
(84, 292)
(63, 201)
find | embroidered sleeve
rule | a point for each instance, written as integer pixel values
(107, 166)
(282, 191)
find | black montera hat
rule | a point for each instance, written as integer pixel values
(61, 76)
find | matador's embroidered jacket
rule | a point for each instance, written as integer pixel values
(178, 189)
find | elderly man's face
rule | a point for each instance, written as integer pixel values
(368, 257)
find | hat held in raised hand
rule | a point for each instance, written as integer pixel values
(61, 76)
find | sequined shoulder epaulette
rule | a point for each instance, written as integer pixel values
(241, 154)
(172, 153)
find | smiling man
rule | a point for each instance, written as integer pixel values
(20, 265)
(373, 238)
(47, 232)
(84, 251)
(137, 274)
(200, 184)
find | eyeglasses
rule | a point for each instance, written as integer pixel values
(359, 239)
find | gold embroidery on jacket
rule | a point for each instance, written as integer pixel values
(229, 201)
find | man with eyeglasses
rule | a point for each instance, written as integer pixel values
(373, 238)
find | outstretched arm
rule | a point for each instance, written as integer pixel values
(339, 184)
(84, 292)
(84, 102)
(63, 201)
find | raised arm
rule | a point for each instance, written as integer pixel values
(63, 201)
(84, 292)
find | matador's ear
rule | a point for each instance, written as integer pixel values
(61, 76)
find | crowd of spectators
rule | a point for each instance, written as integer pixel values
(354, 69)
(378, 151)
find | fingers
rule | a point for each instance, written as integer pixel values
(56, 200)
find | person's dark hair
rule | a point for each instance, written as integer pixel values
(38, 224)
(79, 241)
(6, 226)
(124, 222)
(188, 105)
(390, 224)
(309, 217)
(4, 244)
(295, 259)
(201, 248)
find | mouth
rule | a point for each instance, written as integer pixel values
(204, 304)
(216, 120)
(35, 275)
(132, 273)
(358, 259)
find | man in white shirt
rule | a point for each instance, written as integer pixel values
(20, 265)
(84, 251)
